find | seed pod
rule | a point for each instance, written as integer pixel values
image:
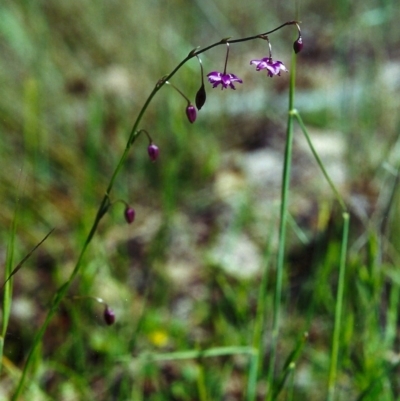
(201, 97)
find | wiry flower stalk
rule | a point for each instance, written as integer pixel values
(215, 78)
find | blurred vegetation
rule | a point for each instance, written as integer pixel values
(73, 77)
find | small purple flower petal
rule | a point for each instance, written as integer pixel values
(191, 113)
(214, 78)
(109, 316)
(272, 67)
(129, 214)
(225, 80)
(153, 151)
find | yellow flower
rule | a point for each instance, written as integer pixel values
(159, 338)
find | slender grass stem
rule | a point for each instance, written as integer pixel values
(342, 267)
(319, 161)
(282, 230)
(8, 286)
(192, 354)
(253, 375)
(201, 384)
(338, 310)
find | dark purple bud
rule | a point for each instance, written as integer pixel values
(109, 316)
(153, 151)
(298, 45)
(201, 97)
(129, 214)
(191, 113)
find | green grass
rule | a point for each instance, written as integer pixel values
(312, 321)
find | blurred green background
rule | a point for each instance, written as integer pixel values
(185, 275)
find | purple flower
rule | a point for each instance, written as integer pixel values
(215, 78)
(191, 113)
(153, 151)
(272, 67)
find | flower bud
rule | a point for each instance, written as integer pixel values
(129, 214)
(298, 45)
(200, 97)
(153, 151)
(109, 316)
(191, 113)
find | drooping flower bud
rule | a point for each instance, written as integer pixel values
(298, 45)
(191, 113)
(153, 151)
(129, 214)
(201, 97)
(109, 315)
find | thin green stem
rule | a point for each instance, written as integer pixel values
(260, 318)
(53, 309)
(342, 268)
(179, 91)
(201, 384)
(319, 161)
(226, 57)
(201, 69)
(338, 310)
(282, 230)
(8, 282)
(193, 354)
(105, 203)
(289, 365)
(253, 374)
